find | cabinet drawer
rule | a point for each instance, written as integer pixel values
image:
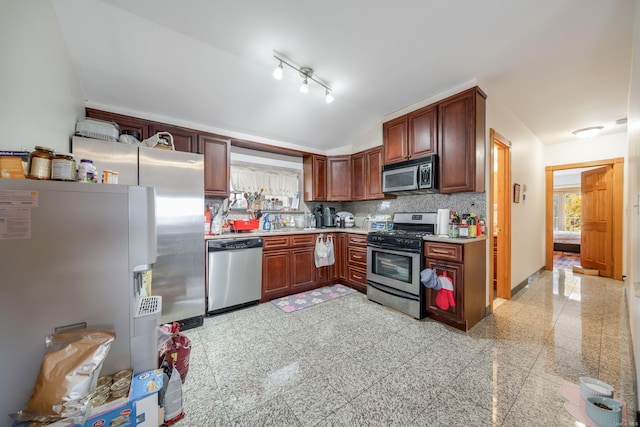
(302, 239)
(275, 242)
(357, 256)
(357, 276)
(445, 251)
(358, 240)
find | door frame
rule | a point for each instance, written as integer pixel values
(618, 183)
(504, 254)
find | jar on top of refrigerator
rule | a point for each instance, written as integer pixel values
(63, 167)
(40, 163)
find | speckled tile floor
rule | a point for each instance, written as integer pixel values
(351, 362)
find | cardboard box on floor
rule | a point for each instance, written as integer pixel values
(140, 408)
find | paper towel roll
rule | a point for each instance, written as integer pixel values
(442, 223)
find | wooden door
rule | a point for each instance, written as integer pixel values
(216, 164)
(303, 269)
(596, 237)
(422, 132)
(358, 176)
(339, 178)
(315, 178)
(455, 272)
(275, 274)
(394, 137)
(373, 171)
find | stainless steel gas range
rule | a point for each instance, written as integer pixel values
(394, 261)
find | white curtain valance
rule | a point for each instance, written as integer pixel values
(274, 183)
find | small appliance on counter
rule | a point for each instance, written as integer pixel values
(317, 212)
(329, 217)
(345, 219)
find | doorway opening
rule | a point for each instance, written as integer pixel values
(500, 219)
(597, 234)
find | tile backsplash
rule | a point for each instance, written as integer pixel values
(461, 202)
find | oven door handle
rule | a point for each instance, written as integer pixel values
(392, 291)
(393, 249)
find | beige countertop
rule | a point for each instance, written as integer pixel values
(286, 231)
(454, 240)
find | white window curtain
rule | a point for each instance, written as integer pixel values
(274, 182)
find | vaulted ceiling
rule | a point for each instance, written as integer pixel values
(558, 65)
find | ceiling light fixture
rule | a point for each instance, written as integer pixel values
(306, 73)
(328, 96)
(588, 132)
(278, 72)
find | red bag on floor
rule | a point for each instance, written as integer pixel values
(174, 348)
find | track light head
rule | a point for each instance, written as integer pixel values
(304, 87)
(328, 97)
(278, 72)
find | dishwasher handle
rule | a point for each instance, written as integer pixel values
(217, 245)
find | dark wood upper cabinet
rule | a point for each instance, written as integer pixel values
(410, 136)
(423, 129)
(358, 176)
(461, 142)
(373, 173)
(124, 122)
(395, 137)
(216, 151)
(183, 139)
(366, 175)
(315, 178)
(339, 178)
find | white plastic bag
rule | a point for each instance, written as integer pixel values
(321, 253)
(324, 253)
(331, 258)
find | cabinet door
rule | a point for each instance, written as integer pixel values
(422, 132)
(458, 149)
(339, 178)
(373, 171)
(315, 178)
(358, 176)
(455, 273)
(124, 122)
(394, 137)
(216, 164)
(275, 274)
(183, 139)
(303, 268)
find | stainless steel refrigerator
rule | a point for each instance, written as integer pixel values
(69, 257)
(178, 179)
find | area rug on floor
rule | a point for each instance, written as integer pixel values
(307, 299)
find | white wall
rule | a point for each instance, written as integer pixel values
(528, 216)
(585, 150)
(40, 96)
(633, 190)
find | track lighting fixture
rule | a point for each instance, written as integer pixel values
(278, 72)
(306, 73)
(328, 97)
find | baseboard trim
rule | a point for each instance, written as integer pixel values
(520, 286)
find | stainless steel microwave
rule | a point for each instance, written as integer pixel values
(418, 175)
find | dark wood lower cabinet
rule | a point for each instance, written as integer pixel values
(288, 265)
(465, 265)
(275, 274)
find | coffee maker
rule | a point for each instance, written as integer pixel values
(317, 212)
(329, 217)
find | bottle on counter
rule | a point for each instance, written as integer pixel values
(473, 223)
(87, 171)
(482, 226)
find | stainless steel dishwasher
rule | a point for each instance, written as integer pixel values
(234, 273)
